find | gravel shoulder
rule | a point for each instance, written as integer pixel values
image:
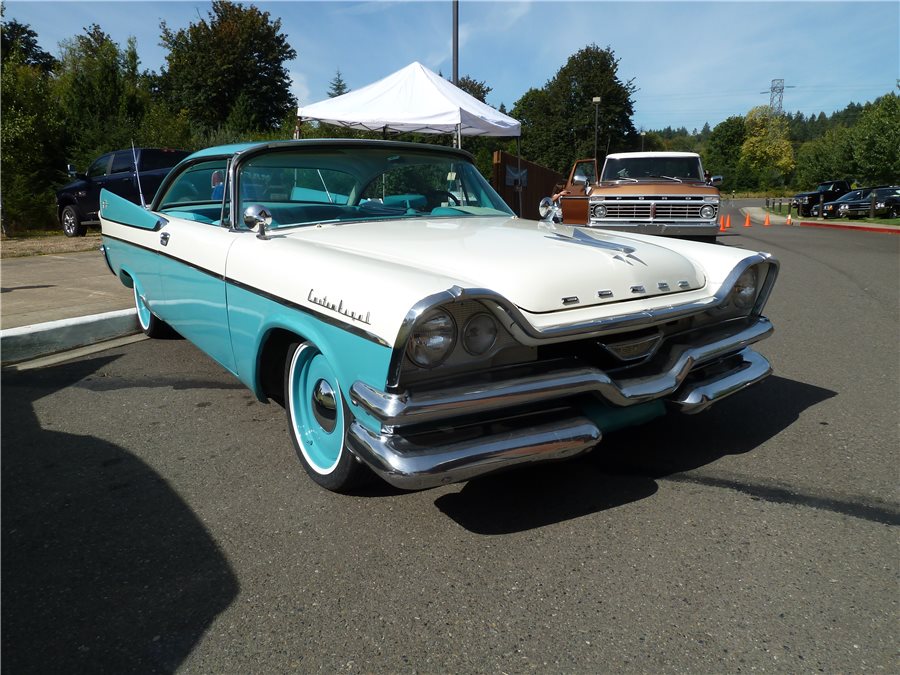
(19, 247)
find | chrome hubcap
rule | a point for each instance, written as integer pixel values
(324, 406)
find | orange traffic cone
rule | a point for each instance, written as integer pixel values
(747, 221)
(721, 225)
(788, 221)
(728, 221)
(766, 222)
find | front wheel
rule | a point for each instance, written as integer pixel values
(71, 223)
(318, 419)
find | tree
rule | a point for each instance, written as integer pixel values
(337, 86)
(32, 160)
(98, 98)
(238, 50)
(876, 141)
(474, 88)
(766, 148)
(825, 158)
(18, 38)
(558, 120)
(723, 151)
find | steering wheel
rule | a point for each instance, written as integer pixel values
(434, 197)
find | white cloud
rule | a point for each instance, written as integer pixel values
(300, 87)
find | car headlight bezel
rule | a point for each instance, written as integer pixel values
(432, 339)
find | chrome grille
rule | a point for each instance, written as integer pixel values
(650, 210)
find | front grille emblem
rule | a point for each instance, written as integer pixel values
(636, 348)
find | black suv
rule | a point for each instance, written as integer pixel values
(78, 202)
(827, 191)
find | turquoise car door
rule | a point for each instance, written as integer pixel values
(131, 237)
(192, 274)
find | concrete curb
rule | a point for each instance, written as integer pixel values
(29, 342)
(886, 229)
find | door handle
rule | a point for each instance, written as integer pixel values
(164, 239)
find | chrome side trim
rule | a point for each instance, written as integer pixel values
(403, 408)
(406, 465)
(702, 395)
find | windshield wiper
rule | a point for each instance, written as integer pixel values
(677, 180)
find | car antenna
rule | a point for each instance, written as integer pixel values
(137, 175)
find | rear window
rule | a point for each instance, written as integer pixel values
(160, 159)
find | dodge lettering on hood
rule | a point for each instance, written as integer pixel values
(411, 325)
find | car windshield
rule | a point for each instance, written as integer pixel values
(624, 168)
(850, 196)
(339, 184)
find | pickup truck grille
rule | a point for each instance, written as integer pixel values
(650, 210)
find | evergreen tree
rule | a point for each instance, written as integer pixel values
(337, 86)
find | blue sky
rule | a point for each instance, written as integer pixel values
(693, 62)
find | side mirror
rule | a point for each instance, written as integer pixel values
(71, 171)
(716, 180)
(257, 218)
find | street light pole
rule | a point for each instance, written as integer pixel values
(596, 101)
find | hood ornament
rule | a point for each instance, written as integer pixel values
(622, 251)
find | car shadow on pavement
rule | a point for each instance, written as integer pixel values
(626, 466)
(104, 567)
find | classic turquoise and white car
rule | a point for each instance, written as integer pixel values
(412, 325)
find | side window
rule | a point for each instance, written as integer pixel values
(122, 162)
(585, 171)
(98, 168)
(201, 183)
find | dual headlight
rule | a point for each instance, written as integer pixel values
(433, 338)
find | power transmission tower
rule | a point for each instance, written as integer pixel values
(776, 95)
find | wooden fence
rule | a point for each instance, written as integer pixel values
(522, 184)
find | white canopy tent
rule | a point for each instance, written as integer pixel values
(413, 99)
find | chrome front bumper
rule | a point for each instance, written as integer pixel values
(426, 441)
(671, 229)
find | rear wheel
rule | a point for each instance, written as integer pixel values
(151, 324)
(71, 223)
(318, 419)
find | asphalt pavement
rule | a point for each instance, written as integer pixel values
(55, 303)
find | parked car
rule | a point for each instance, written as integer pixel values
(411, 325)
(826, 191)
(77, 203)
(887, 203)
(665, 193)
(832, 209)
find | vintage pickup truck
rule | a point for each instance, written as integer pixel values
(665, 193)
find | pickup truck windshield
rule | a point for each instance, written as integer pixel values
(684, 168)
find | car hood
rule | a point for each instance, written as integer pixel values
(539, 267)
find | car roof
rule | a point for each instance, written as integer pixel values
(236, 148)
(638, 155)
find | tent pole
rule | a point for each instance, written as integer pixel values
(519, 168)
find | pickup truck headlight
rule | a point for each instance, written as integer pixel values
(598, 211)
(707, 211)
(432, 339)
